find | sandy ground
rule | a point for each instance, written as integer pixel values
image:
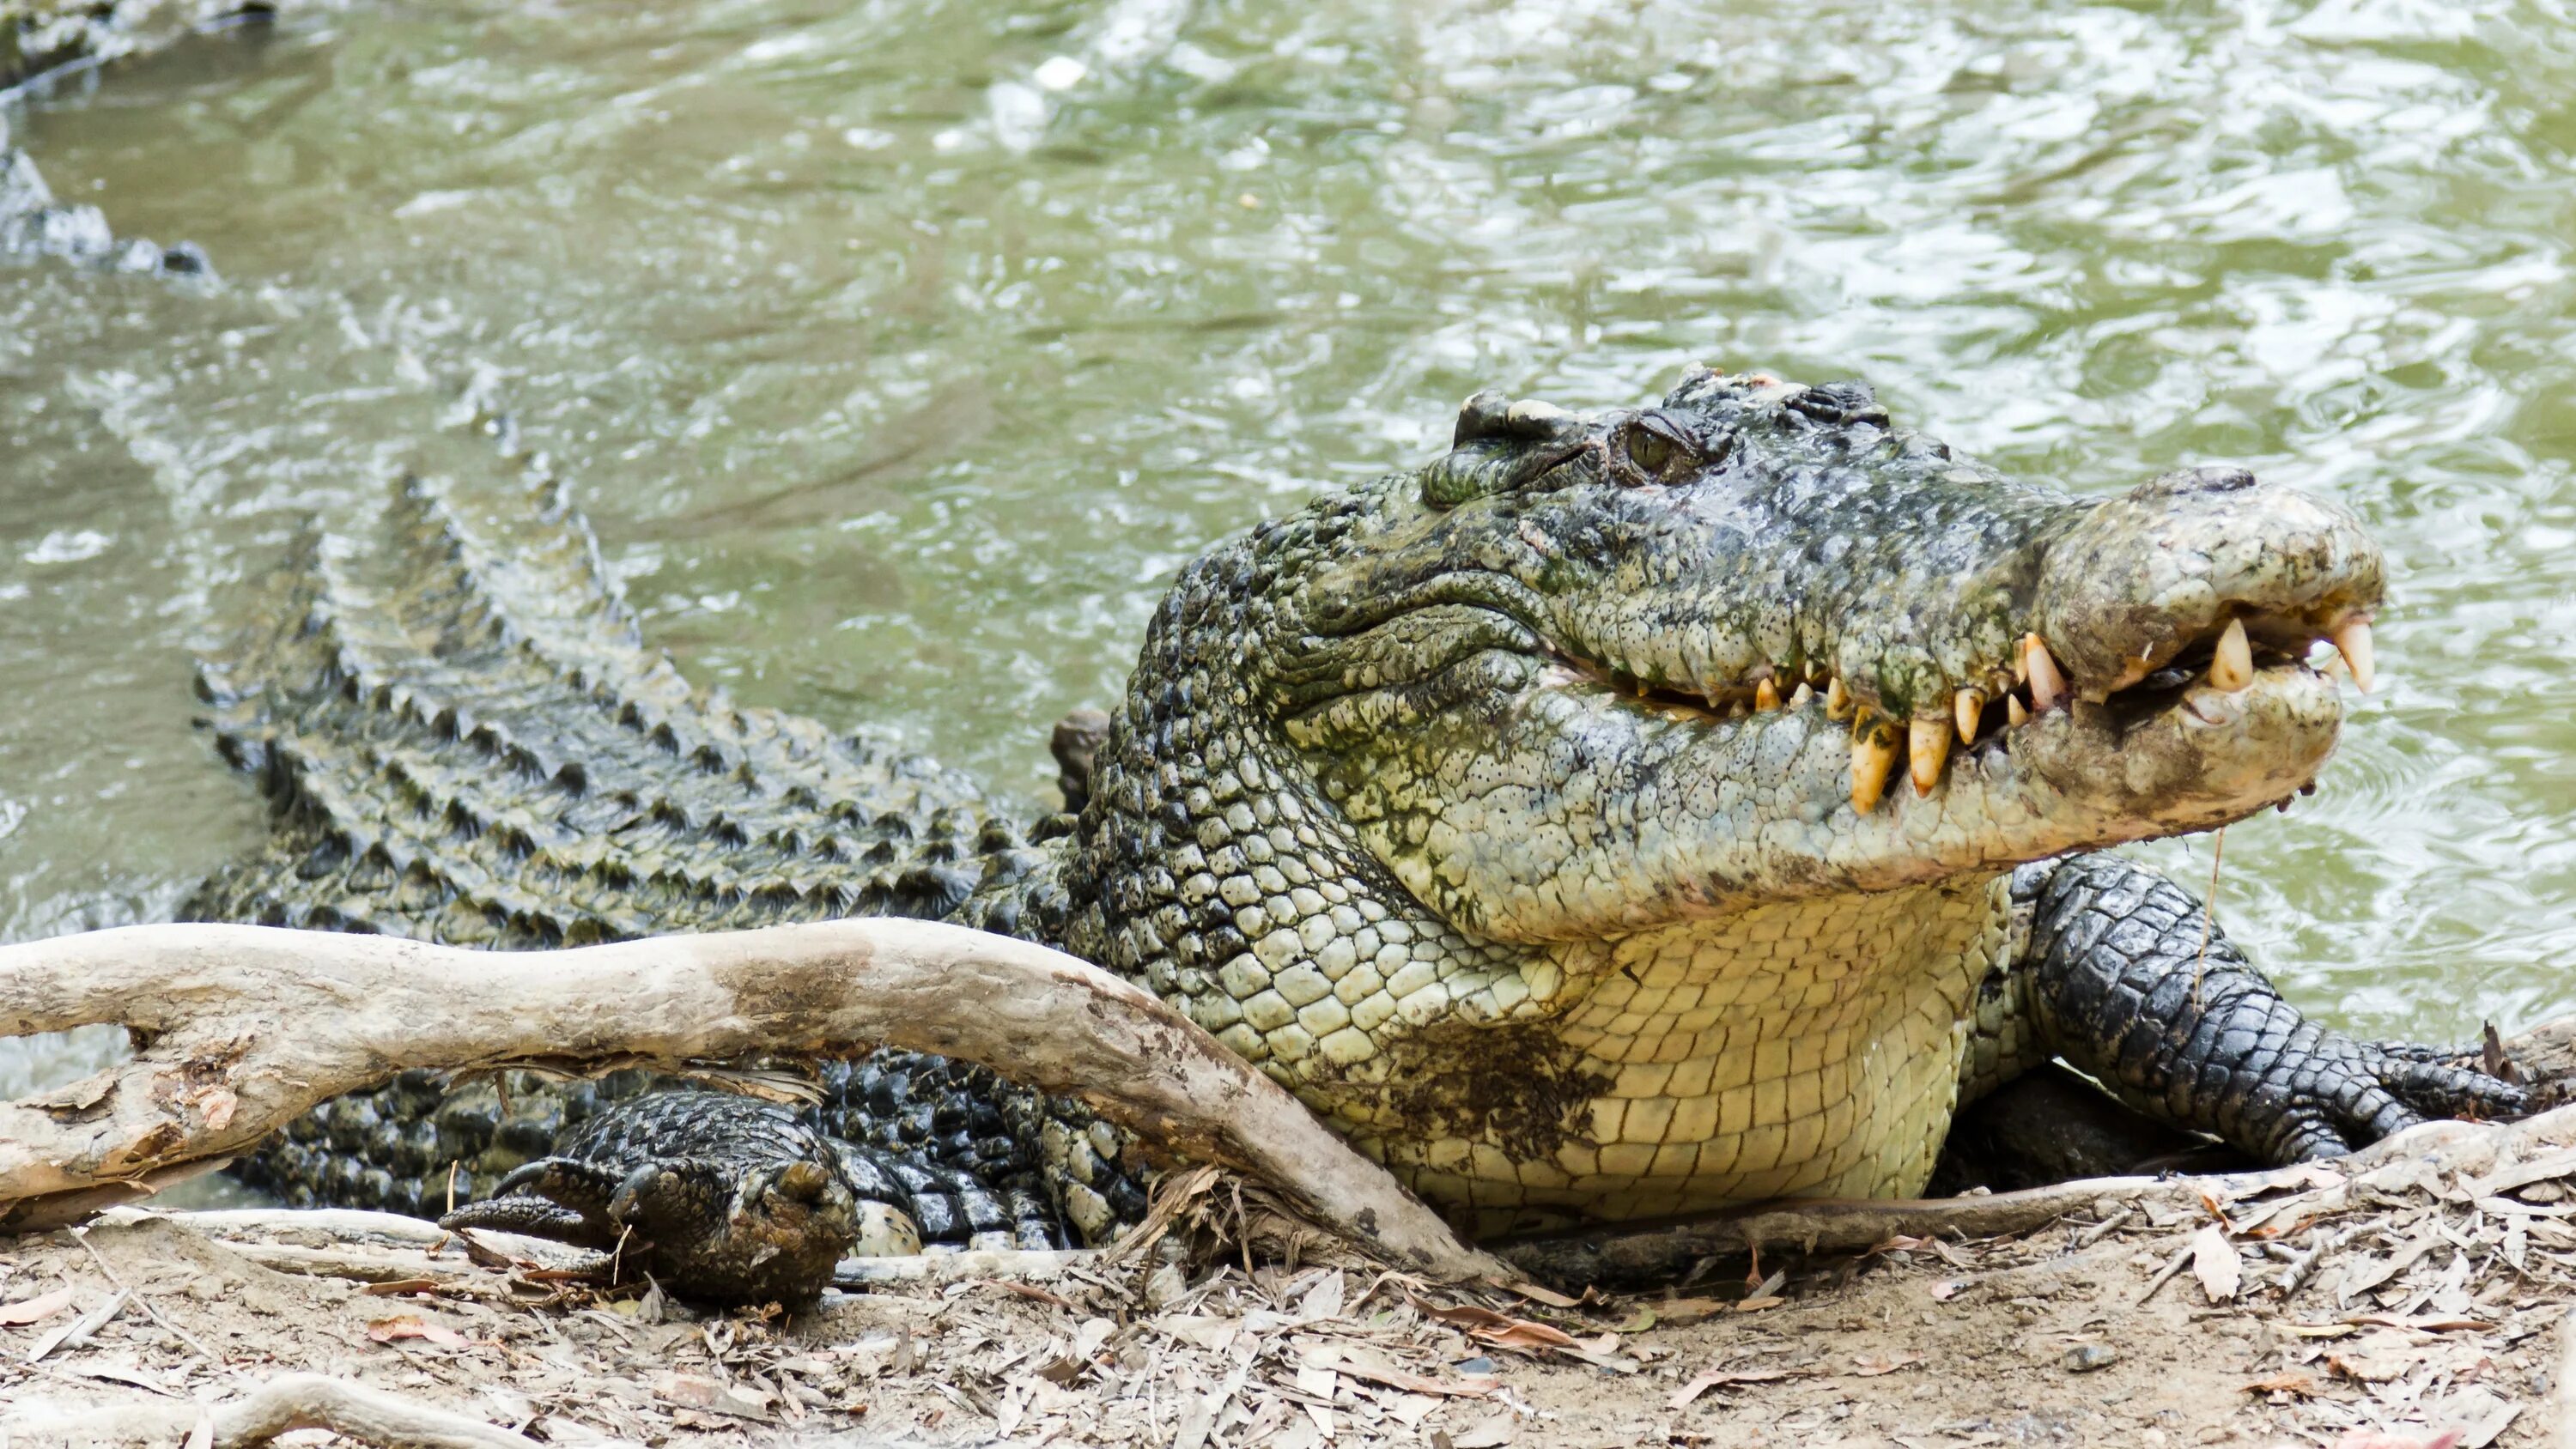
(2412, 1303)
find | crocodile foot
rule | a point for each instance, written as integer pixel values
(2136, 986)
(722, 1198)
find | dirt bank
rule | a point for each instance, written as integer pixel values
(2428, 1296)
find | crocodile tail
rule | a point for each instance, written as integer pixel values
(464, 739)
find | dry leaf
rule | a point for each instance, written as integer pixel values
(387, 1330)
(2295, 1381)
(400, 1286)
(2213, 1261)
(2421, 1325)
(1870, 1366)
(2366, 1368)
(1523, 1334)
(1675, 1312)
(1720, 1378)
(1486, 1326)
(1549, 1296)
(1371, 1368)
(2316, 1330)
(690, 1391)
(77, 1332)
(35, 1310)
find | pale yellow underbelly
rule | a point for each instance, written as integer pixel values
(1806, 1050)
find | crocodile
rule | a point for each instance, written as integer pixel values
(1622, 814)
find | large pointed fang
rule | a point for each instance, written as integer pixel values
(2047, 686)
(1927, 749)
(1766, 696)
(2232, 667)
(2352, 641)
(2014, 714)
(1971, 706)
(1838, 701)
(1873, 757)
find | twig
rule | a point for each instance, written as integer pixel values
(2166, 1273)
(2104, 1228)
(77, 1332)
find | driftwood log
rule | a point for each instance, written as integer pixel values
(240, 1029)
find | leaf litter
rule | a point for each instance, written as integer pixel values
(2407, 1307)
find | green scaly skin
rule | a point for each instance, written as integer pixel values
(1496, 808)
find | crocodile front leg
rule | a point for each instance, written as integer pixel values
(2116, 982)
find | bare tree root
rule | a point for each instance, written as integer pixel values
(282, 1405)
(1633, 1253)
(241, 1029)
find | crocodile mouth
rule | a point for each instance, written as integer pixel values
(2187, 683)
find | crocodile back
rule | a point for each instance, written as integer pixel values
(463, 739)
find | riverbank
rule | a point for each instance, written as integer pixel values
(2424, 1302)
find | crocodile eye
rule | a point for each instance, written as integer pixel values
(1658, 447)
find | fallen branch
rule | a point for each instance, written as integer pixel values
(1632, 1253)
(280, 1406)
(1017, 1265)
(329, 1228)
(244, 1028)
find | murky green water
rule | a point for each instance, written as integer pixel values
(900, 351)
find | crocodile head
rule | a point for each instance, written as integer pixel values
(1611, 813)
(1587, 673)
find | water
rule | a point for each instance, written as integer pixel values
(901, 351)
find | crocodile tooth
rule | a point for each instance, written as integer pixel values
(2047, 686)
(1971, 706)
(1927, 749)
(2014, 712)
(2232, 667)
(1873, 758)
(1766, 695)
(2352, 641)
(1838, 701)
(1798, 699)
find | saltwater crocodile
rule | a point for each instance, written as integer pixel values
(1621, 814)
